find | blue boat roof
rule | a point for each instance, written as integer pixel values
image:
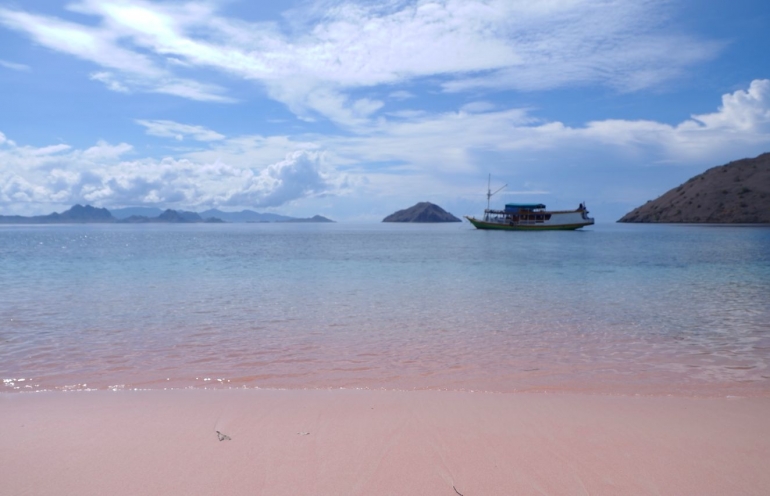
(524, 205)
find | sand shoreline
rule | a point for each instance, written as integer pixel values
(380, 442)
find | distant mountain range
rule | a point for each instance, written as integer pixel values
(77, 214)
(734, 193)
(245, 216)
(422, 212)
(315, 218)
(169, 216)
(242, 216)
(87, 214)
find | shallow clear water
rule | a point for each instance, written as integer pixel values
(615, 308)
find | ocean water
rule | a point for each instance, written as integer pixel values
(619, 309)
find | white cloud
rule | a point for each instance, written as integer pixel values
(192, 90)
(110, 81)
(106, 151)
(742, 110)
(89, 43)
(401, 95)
(103, 46)
(99, 175)
(171, 129)
(335, 47)
(15, 66)
(441, 154)
(4, 141)
(407, 114)
(298, 176)
(442, 144)
(447, 141)
(478, 107)
(246, 151)
(439, 143)
(46, 150)
(743, 120)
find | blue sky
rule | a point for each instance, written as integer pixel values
(356, 109)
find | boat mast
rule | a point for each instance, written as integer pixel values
(489, 190)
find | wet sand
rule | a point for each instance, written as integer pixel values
(335, 442)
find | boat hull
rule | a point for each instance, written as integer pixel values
(495, 226)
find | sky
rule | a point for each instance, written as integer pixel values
(353, 110)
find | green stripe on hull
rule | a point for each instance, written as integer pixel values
(501, 227)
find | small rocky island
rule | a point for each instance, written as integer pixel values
(735, 193)
(422, 212)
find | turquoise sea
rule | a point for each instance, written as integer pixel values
(620, 309)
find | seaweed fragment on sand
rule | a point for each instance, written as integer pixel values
(223, 437)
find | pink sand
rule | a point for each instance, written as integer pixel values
(376, 442)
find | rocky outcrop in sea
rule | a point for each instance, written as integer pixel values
(422, 212)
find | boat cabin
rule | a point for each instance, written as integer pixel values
(515, 208)
(519, 214)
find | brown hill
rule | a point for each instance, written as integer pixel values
(735, 193)
(422, 212)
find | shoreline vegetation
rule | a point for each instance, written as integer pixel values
(88, 214)
(241, 442)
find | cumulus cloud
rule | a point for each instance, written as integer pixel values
(439, 152)
(742, 120)
(743, 110)
(101, 175)
(298, 176)
(447, 143)
(333, 48)
(105, 151)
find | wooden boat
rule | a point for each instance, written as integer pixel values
(530, 217)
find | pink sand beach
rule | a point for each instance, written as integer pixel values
(256, 360)
(351, 442)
